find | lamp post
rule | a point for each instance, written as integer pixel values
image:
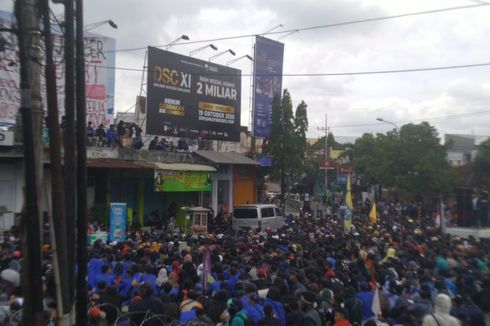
(182, 37)
(240, 58)
(389, 122)
(110, 22)
(210, 45)
(273, 28)
(221, 53)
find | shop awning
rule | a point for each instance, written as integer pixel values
(177, 166)
(226, 158)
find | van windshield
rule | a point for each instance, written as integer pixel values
(245, 213)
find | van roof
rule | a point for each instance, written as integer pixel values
(254, 205)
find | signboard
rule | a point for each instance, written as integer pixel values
(265, 161)
(117, 221)
(170, 181)
(342, 178)
(344, 169)
(327, 165)
(188, 97)
(99, 54)
(6, 138)
(268, 61)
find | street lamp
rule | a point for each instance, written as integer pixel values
(391, 123)
(237, 59)
(97, 24)
(273, 28)
(182, 37)
(221, 53)
(210, 45)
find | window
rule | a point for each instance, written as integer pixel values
(278, 212)
(245, 213)
(267, 212)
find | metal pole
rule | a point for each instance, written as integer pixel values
(69, 150)
(326, 153)
(28, 21)
(251, 102)
(81, 171)
(144, 62)
(443, 216)
(57, 218)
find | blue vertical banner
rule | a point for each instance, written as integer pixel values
(268, 62)
(117, 221)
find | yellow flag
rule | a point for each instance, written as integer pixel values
(348, 195)
(373, 215)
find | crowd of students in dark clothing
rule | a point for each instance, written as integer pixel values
(124, 134)
(129, 135)
(399, 271)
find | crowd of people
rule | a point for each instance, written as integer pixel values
(400, 271)
(129, 135)
(124, 134)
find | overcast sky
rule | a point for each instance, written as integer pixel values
(455, 101)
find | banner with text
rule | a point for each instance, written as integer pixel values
(99, 54)
(268, 61)
(188, 97)
(117, 221)
(169, 181)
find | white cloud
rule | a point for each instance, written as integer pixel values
(442, 39)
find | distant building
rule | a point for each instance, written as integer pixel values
(461, 149)
(125, 116)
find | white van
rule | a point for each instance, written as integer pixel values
(257, 216)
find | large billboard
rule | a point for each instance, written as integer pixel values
(188, 97)
(99, 54)
(268, 60)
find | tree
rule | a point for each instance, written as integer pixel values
(411, 160)
(299, 138)
(481, 164)
(287, 139)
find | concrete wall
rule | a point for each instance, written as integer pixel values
(142, 155)
(11, 187)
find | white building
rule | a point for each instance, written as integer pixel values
(461, 149)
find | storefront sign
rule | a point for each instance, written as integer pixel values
(117, 221)
(170, 181)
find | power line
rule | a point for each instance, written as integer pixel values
(374, 72)
(309, 28)
(414, 120)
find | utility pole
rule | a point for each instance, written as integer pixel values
(81, 170)
(30, 71)
(326, 151)
(69, 150)
(57, 217)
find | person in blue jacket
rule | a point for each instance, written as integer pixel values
(107, 276)
(273, 299)
(255, 310)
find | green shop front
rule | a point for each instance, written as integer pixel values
(148, 189)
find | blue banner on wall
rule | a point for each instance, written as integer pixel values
(268, 61)
(342, 178)
(117, 221)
